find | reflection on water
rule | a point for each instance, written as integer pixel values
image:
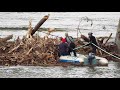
(112, 71)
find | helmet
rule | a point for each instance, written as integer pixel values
(90, 33)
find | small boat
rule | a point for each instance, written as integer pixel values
(71, 59)
(83, 60)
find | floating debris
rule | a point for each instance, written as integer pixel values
(35, 50)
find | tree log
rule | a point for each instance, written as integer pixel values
(117, 39)
(29, 30)
(29, 51)
(39, 24)
(15, 48)
(6, 38)
(107, 39)
(85, 38)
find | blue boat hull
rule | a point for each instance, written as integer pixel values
(83, 60)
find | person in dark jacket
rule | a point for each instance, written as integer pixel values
(71, 44)
(63, 48)
(92, 40)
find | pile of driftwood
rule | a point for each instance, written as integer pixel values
(38, 50)
(35, 50)
(29, 51)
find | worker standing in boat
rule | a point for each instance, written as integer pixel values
(71, 44)
(63, 48)
(92, 40)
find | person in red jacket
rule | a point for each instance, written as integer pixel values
(63, 48)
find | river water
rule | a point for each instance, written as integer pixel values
(16, 22)
(112, 71)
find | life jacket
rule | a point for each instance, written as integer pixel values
(69, 39)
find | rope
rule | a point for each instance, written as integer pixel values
(105, 51)
(80, 20)
(98, 48)
(79, 26)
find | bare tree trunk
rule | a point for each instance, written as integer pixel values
(39, 24)
(107, 39)
(117, 39)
